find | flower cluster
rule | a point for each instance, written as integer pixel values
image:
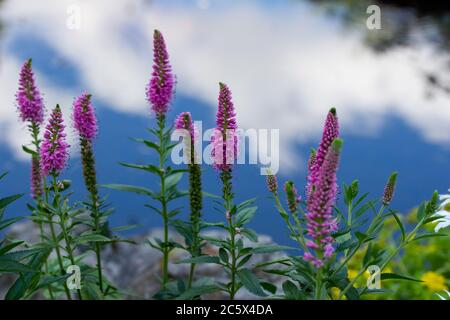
(84, 117)
(272, 183)
(320, 221)
(389, 189)
(29, 100)
(293, 199)
(161, 86)
(54, 151)
(224, 140)
(330, 132)
(184, 122)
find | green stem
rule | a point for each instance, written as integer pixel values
(56, 243)
(191, 275)
(226, 177)
(97, 244)
(318, 292)
(349, 220)
(62, 223)
(162, 155)
(233, 259)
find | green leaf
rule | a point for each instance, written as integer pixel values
(124, 228)
(352, 293)
(8, 265)
(4, 174)
(269, 287)
(343, 237)
(25, 281)
(367, 255)
(245, 215)
(6, 223)
(19, 255)
(291, 291)
(244, 260)
(429, 235)
(90, 238)
(250, 234)
(223, 255)
(9, 247)
(130, 188)
(271, 248)
(246, 203)
(390, 276)
(149, 168)
(29, 151)
(8, 200)
(210, 195)
(201, 259)
(251, 282)
(421, 212)
(361, 210)
(399, 222)
(45, 281)
(172, 180)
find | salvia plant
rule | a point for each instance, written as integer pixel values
(331, 225)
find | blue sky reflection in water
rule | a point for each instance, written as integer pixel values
(287, 64)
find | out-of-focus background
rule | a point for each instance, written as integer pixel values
(287, 62)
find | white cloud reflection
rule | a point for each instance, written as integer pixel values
(287, 65)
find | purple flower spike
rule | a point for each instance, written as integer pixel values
(29, 100)
(330, 132)
(224, 140)
(320, 221)
(184, 121)
(161, 86)
(272, 183)
(36, 178)
(84, 117)
(54, 150)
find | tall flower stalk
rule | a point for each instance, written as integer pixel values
(159, 94)
(184, 122)
(31, 109)
(224, 152)
(54, 156)
(85, 124)
(320, 221)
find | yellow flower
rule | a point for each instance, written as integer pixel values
(335, 293)
(352, 273)
(434, 281)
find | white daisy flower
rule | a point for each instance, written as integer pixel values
(443, 213)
